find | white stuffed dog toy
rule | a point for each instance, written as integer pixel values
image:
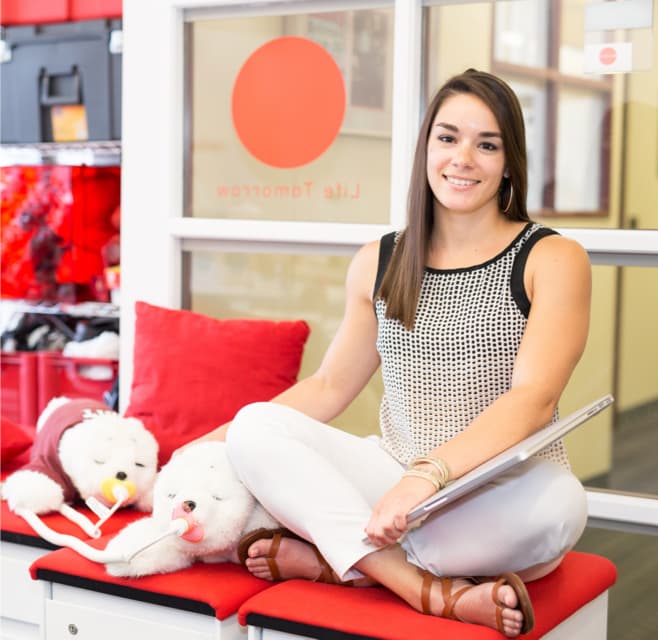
(84, 451)
(199, 489)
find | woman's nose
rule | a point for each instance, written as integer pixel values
(462, 156)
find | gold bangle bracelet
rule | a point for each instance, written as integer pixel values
(438, 463)
(425, 475)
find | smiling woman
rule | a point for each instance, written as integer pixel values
(465, 156)
(480, 317)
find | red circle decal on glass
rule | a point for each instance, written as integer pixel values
(607, 55)
(288, 102)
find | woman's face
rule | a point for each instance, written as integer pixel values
(465, 155)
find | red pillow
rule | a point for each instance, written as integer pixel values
(192, 373)
(14, 439)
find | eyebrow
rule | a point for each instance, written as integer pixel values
(482, 134)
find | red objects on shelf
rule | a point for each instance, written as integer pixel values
(57, 222)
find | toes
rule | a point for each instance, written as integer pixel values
(258, 549)
(507, 597)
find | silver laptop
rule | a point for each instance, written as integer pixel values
(507, 459)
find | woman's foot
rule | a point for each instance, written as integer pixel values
(282, 557)
(503, 604)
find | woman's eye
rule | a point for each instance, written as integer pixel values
(446, 138)
(487, 146)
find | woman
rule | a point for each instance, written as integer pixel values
(480, 317)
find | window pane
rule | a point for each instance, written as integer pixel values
(581, 127)
(592, 137)
(283, 287)
(521, 36)
(618, 449)
(291, 117)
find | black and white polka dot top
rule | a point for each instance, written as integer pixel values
(460, 354)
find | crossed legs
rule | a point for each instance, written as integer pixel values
(322, 483)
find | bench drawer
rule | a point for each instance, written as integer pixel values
(78, 614)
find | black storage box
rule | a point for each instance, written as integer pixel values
(60, 82)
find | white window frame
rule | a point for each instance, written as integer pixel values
(155, 233)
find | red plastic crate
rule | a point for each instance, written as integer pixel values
(33, 11)
(95, 9)
(18, 384)
(60, 375)
(28, 12)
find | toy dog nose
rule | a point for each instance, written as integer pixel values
(189, 505)
(121, 475)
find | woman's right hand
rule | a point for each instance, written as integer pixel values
(388, 520)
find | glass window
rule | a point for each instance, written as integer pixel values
(603, 452)
(291, 117)
(282, 287)
(618, 449)
(538, 47)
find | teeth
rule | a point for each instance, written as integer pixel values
(459, 182)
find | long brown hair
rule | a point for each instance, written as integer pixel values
(401, 284)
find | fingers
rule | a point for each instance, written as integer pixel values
(383, 530)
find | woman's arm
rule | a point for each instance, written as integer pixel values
(558, 284)
(351, 358)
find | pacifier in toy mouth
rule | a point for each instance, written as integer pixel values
(116, 490)
(195, 532)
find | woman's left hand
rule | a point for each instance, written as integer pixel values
(388, 520)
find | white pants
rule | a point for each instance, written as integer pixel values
(322, 483)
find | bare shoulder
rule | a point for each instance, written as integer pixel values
(558, 252)
(560, 265)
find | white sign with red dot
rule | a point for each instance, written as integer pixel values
(614, 57)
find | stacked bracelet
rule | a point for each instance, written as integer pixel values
(426, 475)
(441, 474)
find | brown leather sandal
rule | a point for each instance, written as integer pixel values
(327, 574)
(450, 599)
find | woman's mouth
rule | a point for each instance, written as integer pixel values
(460, 182)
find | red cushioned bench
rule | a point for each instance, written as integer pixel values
(569, 603)
(197, 603)
(20, 614)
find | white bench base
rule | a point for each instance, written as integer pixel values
(588, 623)
(22, 610)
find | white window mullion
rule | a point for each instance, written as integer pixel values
(407, 52)
(152, 177)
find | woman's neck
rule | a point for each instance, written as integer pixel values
(462, 240)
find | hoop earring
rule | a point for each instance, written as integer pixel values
(511, 197)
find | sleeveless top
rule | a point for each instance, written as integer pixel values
(460, 354)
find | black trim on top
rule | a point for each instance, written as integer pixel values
(141, 595)
(518, 269)
(486, 263)
(386, 245)
(27, 540)
(307, 630)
